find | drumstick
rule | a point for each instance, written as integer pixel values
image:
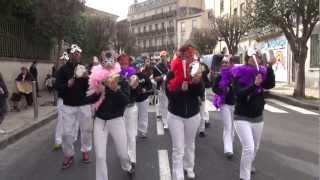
(184, 66)
(255, 61)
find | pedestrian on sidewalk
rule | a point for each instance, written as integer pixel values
(160, 71)
(3, 101)
(72, 84)
(109, 115)
(34, 73)
(224, 100)
(250, 80)
(204, 114)
(183, 90)
(24, 85)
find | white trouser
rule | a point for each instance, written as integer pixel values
(143, 116)
(116, 127)
(183, 134)
(228, 127)
(162, 106)
(204, 114)
(250, 137)
(59, 126)
(131, 122)
(70, 117)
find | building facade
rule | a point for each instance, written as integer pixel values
(154, 23)
(274, 46)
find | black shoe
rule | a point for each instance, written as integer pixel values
(202, 134)
(131, 171)
(159, 117)
(229, 155)
(206, 124)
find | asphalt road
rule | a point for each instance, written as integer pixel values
(289, 151)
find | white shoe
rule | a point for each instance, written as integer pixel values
(2, 131)
(165, 126)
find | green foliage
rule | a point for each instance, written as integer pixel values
(204, 40)
(13, 10)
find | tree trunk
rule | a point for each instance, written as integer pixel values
(60, 42)
(299, 90)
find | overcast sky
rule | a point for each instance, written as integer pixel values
(120, 7)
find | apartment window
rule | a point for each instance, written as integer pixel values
(221, 6)
(156, 26)
(242, 9)
(162, 26)
(144, 43)
(170, 23)
(183, 27)
(150, 27)
(315, 57)
(139, 30)
(235, 11)
(194, 24)
(144, 29)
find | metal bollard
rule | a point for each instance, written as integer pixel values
(35, 101)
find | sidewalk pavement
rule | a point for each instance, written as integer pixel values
(19, 124)
(284, 92)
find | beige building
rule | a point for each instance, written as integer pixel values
(154, 22)
(273, 44)
(186, 23)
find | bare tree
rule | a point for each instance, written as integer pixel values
(125, 39)
(204, 39)
(230, 28)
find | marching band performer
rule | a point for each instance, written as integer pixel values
(250, 80)
(224, 100)
(72, 85)
(145, 90)
(183, 89)
(204, 114)
(109, 115)
(160, 71)
(131, 111)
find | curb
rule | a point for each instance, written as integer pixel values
(25, 131)
(293, 101)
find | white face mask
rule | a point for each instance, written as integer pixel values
(108, 62)
(80, 71)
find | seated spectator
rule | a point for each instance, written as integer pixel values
(24, 85)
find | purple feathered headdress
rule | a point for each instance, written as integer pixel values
(246, 74)
(224, 83)
(128, 72)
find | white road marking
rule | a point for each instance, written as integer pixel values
(164, 166)
(160, 130)
(272, 109)
(294, 108)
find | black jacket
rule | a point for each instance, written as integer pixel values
(115, 102)
(184, 103)
(160, 69)
(28, 77)
(144, 88)
(249, 102)
(229, 96)
(34, 72)
(75, 95)
(205, 73)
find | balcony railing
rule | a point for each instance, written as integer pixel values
(170, 30)
(164, 15)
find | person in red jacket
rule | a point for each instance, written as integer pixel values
(183, 89)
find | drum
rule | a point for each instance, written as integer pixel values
(24, 87)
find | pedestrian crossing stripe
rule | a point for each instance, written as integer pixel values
(291, 107)
(164, 166)
(272, 109)
(160, 130)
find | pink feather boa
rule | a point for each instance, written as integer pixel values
(98, 75)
